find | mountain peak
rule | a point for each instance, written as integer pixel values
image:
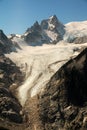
(36, 23)
(53, 18)
(35, 27)
(50, 30)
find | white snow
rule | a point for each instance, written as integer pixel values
(51, 17)
(18, 35)
(75, 29)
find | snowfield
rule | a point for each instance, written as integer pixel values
(40, 63)
(75, 29)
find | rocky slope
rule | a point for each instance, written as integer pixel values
(10, 79)
(63, 104)
(6, 45)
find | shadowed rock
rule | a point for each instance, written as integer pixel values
(2, 128)
(64, 101)
(9, 106)
(6, 45)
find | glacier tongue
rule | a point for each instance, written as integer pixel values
(40, 63)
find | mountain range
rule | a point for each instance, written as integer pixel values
(52, 31)
(43, 80)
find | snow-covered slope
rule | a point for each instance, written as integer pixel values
(76, 32)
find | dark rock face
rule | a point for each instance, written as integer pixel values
(9, 106)
(36, 36)
(6, 45)
(1, 128)
(64, 101)
(34, 33)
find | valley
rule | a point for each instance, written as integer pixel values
(40, 72)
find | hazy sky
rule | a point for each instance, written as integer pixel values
(17, 15)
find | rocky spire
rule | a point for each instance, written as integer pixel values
(54, 20)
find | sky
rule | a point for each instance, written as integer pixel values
(18, 15)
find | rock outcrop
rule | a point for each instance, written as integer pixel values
(63, 104)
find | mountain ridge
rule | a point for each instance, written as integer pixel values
(52, 31)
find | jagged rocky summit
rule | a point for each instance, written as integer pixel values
(49, 31)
